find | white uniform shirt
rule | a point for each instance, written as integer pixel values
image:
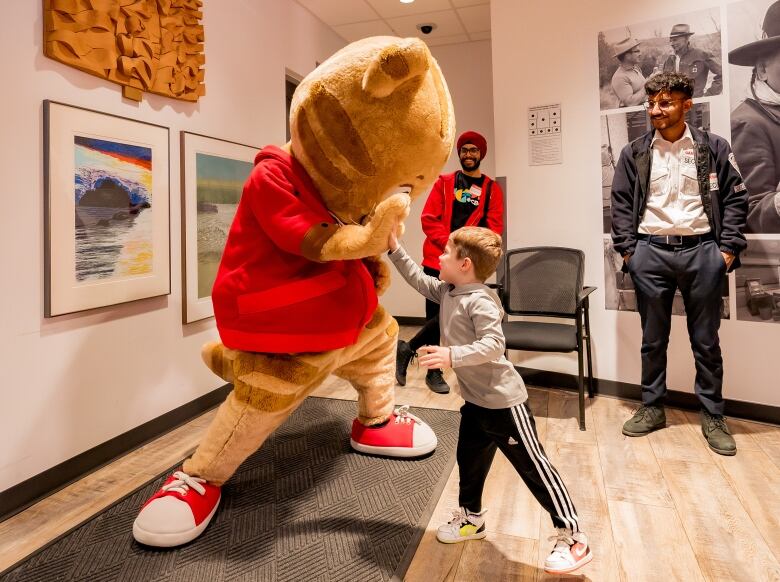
(674, 203)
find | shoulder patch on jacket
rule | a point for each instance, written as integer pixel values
(733, 162)
(713, 182)
(740, 187)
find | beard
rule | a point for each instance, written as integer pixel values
(471, 166)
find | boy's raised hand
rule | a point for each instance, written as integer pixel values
(392, 238)
(435, 357)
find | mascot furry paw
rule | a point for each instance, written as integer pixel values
(295, 297)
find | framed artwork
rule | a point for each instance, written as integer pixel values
(106, 209)
(213, 172)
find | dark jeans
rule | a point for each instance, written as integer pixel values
(429, 333)
(513, 430)
(657, 270)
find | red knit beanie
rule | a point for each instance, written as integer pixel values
(476, 139)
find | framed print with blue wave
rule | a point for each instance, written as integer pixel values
(106, 210)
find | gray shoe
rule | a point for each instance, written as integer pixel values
(714, 429)
(646, 419)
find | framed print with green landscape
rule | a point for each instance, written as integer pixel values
(106, 209)
(213, 175)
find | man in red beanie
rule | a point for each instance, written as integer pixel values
(462, 198)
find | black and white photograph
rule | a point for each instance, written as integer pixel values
(619, 129)
(619, 293)
(754, 83)
(758, 282)
(688, 43)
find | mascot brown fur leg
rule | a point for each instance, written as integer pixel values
(371, 370)
(267, 388)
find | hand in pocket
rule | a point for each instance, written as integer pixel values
(728, 258)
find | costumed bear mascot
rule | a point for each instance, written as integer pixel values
(295, 297)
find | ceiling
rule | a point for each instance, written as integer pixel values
(456, 20)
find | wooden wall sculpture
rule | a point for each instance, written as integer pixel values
(144, 45)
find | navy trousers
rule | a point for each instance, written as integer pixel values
(657, 270)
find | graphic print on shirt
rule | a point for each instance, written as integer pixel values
(468, 195)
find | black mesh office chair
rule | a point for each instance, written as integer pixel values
(547, 282)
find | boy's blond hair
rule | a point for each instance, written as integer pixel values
(481, 245)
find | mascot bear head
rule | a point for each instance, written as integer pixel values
(373, 120)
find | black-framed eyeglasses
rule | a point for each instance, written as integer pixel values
(663, 104)
(473, 151)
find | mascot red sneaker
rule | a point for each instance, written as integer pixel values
(295, 297)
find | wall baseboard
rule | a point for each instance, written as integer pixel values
(24, 494)
(409, 320)
(627, 391)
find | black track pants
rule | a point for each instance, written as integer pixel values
(513, 430)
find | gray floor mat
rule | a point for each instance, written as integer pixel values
(305, 507)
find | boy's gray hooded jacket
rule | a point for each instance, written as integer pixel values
(470, 323)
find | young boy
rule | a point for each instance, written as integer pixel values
(495, 414)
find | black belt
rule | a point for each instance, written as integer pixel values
(676, 240)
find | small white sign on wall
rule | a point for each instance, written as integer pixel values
(544, 135)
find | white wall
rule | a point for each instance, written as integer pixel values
(467, 67)
(547, 53)
(73, 382)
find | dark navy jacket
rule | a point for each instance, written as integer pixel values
(726, 207)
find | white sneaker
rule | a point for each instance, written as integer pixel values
(570, 552)
(463, 526)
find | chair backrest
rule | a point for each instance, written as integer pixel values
(543, 281)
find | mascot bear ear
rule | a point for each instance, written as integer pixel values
(394, 65)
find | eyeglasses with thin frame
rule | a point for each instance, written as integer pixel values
(473, 151)
(663, 104)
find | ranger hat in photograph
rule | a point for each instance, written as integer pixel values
(624, 46)
(747, 54)
(680, 30)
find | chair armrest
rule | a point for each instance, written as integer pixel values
(583, 295)
(497, 286)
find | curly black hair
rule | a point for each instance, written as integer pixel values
(669, 82)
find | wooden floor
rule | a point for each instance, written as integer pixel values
(658, 508)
